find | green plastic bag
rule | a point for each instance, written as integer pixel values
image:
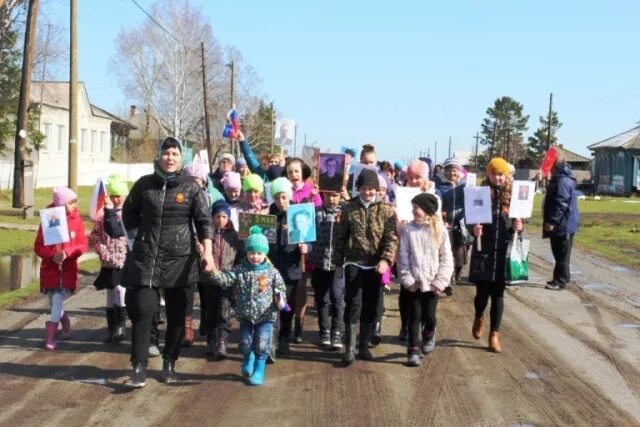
(517, 261)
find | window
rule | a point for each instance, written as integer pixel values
(83, 140)
(60, 147)
(46, 142)
(94, 134)
(103, 138)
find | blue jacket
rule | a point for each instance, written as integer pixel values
(561, 204)
(252, 161)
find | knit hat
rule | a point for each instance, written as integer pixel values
(221, 206)
(420, 168)
(274, 171)
(281, 185)
(241, 162)
(253, 182)
(498, 165)
(398, 165)
(350, 151)
(117, 186)
(232, 180)
(170, 142)
(427, 202)
(196, 170)
(452, 162)
(369, 178)
(63, 195)
(228, 156)
(382, 182)
(257, 242)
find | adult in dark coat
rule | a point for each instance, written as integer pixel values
(561, 221)
(164, 207)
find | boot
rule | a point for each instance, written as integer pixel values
(413, 358)
(325, 339)
(247, 364)
(168, 375)
(456, 275)
(65, 322)
(428, 342)
(110, 313)
(366, 329)
(221, 346)
(138, 376)
(257, 378)
(120, 321)
(297, 330)
(478, 327)
(188, 331)
(212, 342)
(50, 333)
(376, 337)
(494, 342)
(350, 350)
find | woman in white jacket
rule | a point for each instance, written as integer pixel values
(425, 265)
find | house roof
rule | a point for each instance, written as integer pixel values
(627, 139)
(570, 156)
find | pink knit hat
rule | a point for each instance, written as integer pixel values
(382, 181)
(420, 168)
(232, 180)
(63, 195)
(197, 170)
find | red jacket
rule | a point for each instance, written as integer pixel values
(50, 275)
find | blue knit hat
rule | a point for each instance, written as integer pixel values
(221, 206)
(257, 242)
(281, 185)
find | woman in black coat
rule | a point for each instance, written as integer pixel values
(163, 208)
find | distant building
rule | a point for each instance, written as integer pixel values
(465, 157)
(616, 163)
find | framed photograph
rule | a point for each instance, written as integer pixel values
(331, 172)
(267, 222)
(54, 225)
(404, 208)
(301, 221)
(522, 193)
(285, 133)
(477, 205)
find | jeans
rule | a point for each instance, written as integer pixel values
(255, 337)
(561, 248)
(362, 294)
(329, 300)
(421, 308)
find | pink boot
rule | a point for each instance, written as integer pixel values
(50, 329)
(66, 327)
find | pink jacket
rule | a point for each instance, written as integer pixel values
(421, 259)
(303, 195)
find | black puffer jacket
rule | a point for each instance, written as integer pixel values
(164, 253)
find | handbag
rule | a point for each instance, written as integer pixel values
(517, 264)
(460, 234)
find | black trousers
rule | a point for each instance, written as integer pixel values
(495, 291)
(286, 317)
(403, 307)
(421, 309)
(219, 310)
(362, 294)
(191, 290)
(561, 248)
(328, 302)
(142, 305)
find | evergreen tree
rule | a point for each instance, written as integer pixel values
(537, 145)
(258, 128)
(10, 71)
(503, 129)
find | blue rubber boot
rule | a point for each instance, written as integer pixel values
(258, 372)
(247, 364)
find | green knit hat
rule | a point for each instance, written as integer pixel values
(281, 185)
(253, 182)
(257, 242)
(117, 186)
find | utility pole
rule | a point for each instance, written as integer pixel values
(73, 100)
(549, 121)
(477, 138)
(20, 154)
(508, 145)
(493, 139)
(435, 154)
(449, 155)
(207, 130)
(273, 127)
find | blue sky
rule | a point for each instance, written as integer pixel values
(403, 75)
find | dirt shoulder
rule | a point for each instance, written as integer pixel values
(570, 358)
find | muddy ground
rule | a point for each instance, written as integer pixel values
(569, 358)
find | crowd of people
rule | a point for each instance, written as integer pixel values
(172, 234)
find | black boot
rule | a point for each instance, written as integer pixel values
(456, 275)
(120, 319)
(138, 376)
(366, 329)
(350, 341)
(110, 313)
(297, 330)
(376, 337)
(168, 375)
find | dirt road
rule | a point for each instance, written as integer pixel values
(569, 358)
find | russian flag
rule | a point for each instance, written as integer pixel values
(233, 126)
(97, 200)
(549, 159)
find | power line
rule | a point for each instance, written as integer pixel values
(159, 24)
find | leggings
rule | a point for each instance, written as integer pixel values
(495, 291)
(421, 308)
(115, 297)
(56, 302)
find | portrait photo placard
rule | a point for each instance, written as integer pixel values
(522, 193)
(301, 223)
(331, 172)
(54, 225)
(266, 222)
(477, 205)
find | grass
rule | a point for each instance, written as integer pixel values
(16, 242)
(609, 227)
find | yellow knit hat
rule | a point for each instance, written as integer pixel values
(498, 165)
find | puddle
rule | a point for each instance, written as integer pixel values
(629, 325)
(602, 287)
(17, 271)
(619, 269)
(99, 381)
(532, 375)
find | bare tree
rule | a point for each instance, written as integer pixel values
(52, 52)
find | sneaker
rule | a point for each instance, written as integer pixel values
(555, 286)
(414, 358)
(428, 342)
(154, 351)
(325, 339)
(336, 341)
